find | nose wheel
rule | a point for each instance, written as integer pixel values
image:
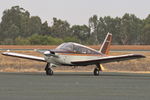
(48, 70)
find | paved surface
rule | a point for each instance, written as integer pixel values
(112, 50)
(74, 86)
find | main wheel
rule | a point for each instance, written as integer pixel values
(49, 71)
(96, 71)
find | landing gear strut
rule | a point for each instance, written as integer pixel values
(48, 70)
(97, 69)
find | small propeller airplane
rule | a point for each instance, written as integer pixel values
(74, 54)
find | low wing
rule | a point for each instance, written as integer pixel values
(24, 56)
(108, 59)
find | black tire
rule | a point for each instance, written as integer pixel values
(96, 71)
(49, 71)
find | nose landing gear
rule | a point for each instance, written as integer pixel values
(48, 70)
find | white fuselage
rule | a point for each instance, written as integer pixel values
(67, 59)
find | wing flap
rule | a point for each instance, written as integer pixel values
(108, 59)
(18, 55)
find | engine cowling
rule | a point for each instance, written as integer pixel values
(50, 53)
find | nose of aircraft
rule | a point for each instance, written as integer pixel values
(50, 53)
(47, 53)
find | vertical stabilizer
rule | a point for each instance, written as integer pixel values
(106, 44)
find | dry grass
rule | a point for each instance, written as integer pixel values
(125, 47)
(114, 47)
(130, 65)
(11, 64)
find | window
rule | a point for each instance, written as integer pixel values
(76, 48)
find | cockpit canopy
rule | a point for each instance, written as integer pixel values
(76, 48)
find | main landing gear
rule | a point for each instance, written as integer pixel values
(48, 69)
(97, 69)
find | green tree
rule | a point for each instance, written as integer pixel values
(93, 25)
(18, 27)
(130, 29)
(45, 29)
(36, 39)
(12, 22)
(81, 32)
(22, 41)
(60, 28)
(146, 31)
(34, 25)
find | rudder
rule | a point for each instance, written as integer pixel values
(105, 48)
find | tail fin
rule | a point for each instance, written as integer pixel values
(106, 44)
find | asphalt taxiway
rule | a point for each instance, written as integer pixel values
(74, 86)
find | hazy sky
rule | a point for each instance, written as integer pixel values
(79, 11)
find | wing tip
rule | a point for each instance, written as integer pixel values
(140, 55)
(4, 53)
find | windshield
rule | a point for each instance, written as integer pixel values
(76, 48)
(66, 46)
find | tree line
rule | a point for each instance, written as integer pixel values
(20, 28)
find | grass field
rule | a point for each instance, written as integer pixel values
(113, 47)
(10, 64)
